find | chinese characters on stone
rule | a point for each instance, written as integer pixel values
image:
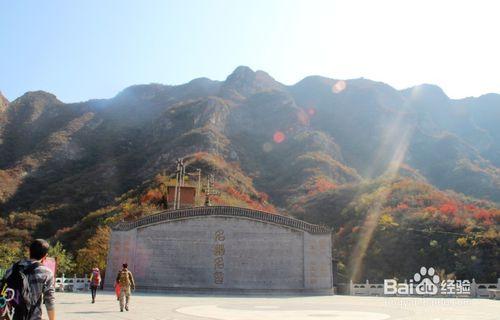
(219, 251)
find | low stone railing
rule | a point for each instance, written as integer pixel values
(228, 211)
(477, 290)
(72, 284)
(482, 288)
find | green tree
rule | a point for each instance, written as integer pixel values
(95, 252)
(9, 253)
(64, 259)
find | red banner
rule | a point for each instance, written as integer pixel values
(51, 264)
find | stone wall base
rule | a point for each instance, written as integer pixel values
(231, 292)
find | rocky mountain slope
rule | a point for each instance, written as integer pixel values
(270, 146)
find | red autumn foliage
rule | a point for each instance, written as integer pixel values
(321, 185)
(238, 195)
(470, 207)
(459, 222)
(252, 204)
(402, 206)
(431, 209)
(216, 200)
(218, 185)
(263, 197)
(258, 206)
(448, 208)
(133, 214)
(152, 196)
(485, 215)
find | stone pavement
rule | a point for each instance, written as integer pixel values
(72, 306)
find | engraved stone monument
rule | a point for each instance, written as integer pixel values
(222, 249)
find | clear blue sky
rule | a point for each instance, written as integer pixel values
(93, 49)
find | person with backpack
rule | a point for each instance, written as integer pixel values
(126, 282)
(27, 283)
(95, 282)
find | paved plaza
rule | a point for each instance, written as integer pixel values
(73, 306)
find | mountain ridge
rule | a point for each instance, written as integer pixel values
(68, 167)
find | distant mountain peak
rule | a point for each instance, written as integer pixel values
(426, 91)
(38, 96)
(241, 72)
(31, 105)
(3, 102)
(316, 80)
(142, 91)
(243, 82)
(201, 80)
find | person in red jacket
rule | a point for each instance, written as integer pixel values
(95, 282)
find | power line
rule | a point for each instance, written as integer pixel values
(437, 231)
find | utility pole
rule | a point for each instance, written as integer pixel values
(208, 191)
(176, 184)
(183, 172)
(179, 182)
(198, 192)
(183, 169)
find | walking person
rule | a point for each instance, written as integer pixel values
(95, 282)
(126, 282)
(31, 283)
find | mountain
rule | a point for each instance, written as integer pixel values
(67, 170)
(4, 103)
(393, 225)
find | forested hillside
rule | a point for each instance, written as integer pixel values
(404, 178)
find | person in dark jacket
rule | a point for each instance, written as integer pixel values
(40, 278)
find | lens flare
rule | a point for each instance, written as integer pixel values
(394, 142)
(279, 137)
(339, 86)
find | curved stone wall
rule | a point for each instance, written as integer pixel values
(223, 211)
(222, 249)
